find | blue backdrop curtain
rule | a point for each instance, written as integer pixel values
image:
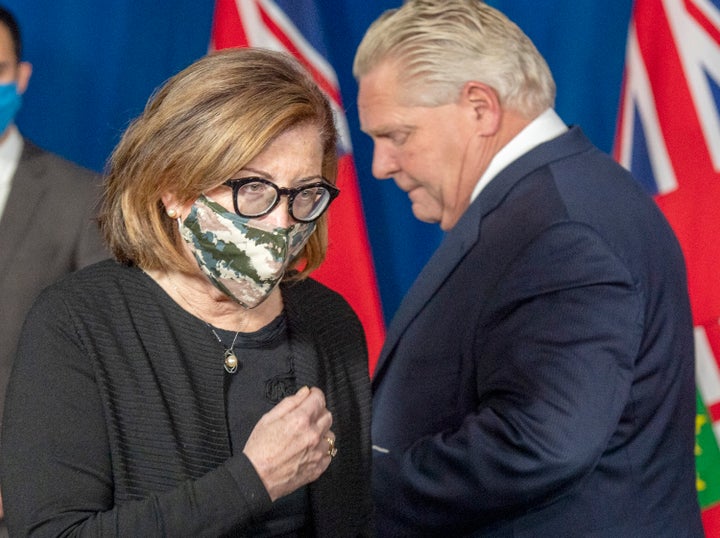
(97, 62)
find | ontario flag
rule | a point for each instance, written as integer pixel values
(668, 136)
(275, 25)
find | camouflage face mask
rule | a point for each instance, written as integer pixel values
(244, 258)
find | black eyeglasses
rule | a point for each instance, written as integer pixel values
(254, 197)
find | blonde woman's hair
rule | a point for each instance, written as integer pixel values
(439, 45)
(198, 130)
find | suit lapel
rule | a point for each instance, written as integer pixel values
(466, 233)
(26, 192)
(452, 249)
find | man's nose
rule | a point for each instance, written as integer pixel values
(384, 163)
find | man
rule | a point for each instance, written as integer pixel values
(538, 379)
(46, 208)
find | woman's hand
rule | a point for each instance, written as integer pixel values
(290, 445)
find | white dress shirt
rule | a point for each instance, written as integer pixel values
(546, 126)
(10, 151)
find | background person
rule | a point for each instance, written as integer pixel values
(198, 386)
(538, 378)
(47, 208)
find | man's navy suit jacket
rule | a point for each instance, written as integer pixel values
(538, 378)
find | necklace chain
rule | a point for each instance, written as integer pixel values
(230, 362)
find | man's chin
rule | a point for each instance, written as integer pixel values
(422, 214)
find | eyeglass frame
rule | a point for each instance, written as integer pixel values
(291, 193)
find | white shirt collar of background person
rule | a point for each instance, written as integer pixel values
(10, 151)
(546, 126)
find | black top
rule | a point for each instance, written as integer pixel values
(265, 375)
(124, 392)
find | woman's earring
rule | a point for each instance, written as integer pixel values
(171, 212)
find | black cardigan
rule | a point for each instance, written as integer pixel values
(115, 420)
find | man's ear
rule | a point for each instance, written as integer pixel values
(483, 102)
(23, 78)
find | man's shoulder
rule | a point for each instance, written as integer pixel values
(40, 161)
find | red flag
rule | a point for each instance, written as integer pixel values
(668, 136)
(348, 267)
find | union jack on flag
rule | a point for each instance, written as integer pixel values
(668, 136)
(275, 25)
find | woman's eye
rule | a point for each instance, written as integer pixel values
(253, 188)
(308, 194)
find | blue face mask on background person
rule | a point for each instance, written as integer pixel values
(10, 101)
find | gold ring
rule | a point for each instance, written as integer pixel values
(332, 449)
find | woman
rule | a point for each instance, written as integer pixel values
(201, 386)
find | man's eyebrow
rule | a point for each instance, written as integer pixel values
(386, 130)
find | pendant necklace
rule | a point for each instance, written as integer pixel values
(230, 360)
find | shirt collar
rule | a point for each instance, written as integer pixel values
(546, 126)
(10, 150)
(11, 147)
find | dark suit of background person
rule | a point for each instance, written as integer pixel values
(538, 378)
(46, 231)
(46, 225)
